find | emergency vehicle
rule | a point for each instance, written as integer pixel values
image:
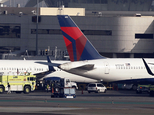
(18, 83)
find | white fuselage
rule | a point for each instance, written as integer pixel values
(13, 67)
(111, 70)
(18, 67)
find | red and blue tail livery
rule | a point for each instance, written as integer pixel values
(78, 46)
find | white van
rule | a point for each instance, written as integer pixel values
(96, 87)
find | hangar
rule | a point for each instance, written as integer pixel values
(117, 28)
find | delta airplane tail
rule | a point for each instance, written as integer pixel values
(78, 46)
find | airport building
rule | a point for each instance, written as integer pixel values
(117, 28)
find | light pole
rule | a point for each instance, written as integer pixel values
(37, 29)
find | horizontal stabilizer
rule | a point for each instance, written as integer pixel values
(86, 67)
(49, 64)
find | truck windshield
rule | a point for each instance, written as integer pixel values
(31, 78)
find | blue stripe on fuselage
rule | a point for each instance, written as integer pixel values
(137, 81)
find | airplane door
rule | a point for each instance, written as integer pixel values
(107, 68)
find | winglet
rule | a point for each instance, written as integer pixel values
(147, 68)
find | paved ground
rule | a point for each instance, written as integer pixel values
(110, 103)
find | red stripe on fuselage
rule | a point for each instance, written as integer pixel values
(69, 48)
(73, 32)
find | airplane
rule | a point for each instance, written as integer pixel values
(21, 67)
(87, 62)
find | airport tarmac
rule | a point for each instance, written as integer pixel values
(111, 103)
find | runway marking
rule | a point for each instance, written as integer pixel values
(75, 102)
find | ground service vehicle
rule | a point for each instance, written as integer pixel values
(96, 87)
(67, 82)
(18, 83)
(142, 88)
(60, 87)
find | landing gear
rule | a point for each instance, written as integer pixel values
(134, 87)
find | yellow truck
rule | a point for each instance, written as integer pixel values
(18, 83)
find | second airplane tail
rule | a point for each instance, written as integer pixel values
(78, 46)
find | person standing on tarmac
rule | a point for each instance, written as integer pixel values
(48, 87)
(9, 89)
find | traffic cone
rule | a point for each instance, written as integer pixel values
(52, 90)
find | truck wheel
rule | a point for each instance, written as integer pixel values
(151, 93)
(26, 89)
(1, 89)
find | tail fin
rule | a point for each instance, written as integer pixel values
(78, 46)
